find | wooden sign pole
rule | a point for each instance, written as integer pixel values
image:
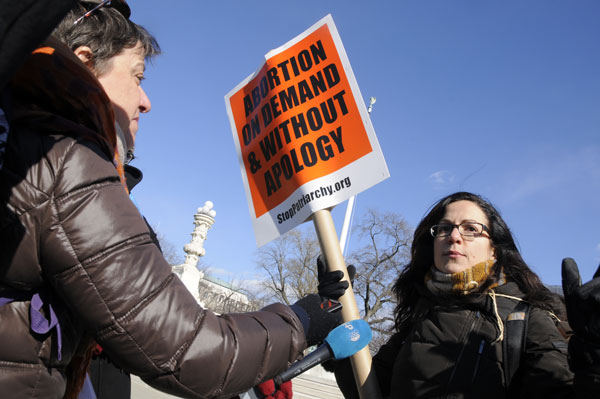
(366, 380)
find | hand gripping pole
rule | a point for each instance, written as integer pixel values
(364, 375)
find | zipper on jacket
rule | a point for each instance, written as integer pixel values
(479, 353)
(465, 339)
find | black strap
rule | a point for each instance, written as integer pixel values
(515, 334)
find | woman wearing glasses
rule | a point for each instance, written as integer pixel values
(472, 319)
(77, 262)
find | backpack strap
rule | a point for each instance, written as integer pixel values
(515, 334)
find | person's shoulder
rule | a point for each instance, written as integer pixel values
(545, 326)
(35, 158)
(510, 288)
(84, 164)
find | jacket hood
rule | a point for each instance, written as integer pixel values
(55, 91)
(23, 25)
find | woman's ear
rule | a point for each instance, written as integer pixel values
(85, 54)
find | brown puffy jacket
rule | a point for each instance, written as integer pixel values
(69, 232)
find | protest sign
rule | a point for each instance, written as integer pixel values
(302, 132)
(305, 143)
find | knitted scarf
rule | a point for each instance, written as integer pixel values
(463, 282)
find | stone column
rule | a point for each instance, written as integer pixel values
(188, 271)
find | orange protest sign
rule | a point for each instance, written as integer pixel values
(297, 122)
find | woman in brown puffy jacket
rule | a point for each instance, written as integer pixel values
(474, 321)
(77, 263)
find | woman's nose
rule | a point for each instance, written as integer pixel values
(145, 104)
(455, 235)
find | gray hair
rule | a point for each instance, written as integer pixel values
(106, 32)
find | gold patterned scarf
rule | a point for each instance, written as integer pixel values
(463, 282)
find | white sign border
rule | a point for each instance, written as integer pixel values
(266, 227)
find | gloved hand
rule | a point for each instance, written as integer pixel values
(267, 390)
(583, 302)
(330, 284)
(583, 312)
(316, 319)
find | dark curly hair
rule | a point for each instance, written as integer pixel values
(106, 32)
(508, 259)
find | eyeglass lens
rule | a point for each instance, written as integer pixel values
(466, 229)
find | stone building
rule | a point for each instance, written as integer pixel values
(210, 292)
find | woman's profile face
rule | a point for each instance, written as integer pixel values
(122, 82)
(454, 253)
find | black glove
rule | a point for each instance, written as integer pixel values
(316, 320)
(583, 312)
(583, 302)
(330, 285)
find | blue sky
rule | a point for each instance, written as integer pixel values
(497, 98)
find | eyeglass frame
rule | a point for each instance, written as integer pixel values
(458, 227)
(90, 12)
(129, 156)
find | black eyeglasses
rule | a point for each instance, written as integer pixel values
(90, 12)
(468, 230)
(129, 157)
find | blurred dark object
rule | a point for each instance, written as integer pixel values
(583, 311)
(583, 302)
(109, 380)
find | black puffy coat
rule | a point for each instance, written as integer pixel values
(452, 352)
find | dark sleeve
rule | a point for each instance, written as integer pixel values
(98, 255)
(584, 359)
(383, 364)
(108, 380)
(587, 386)
(543, 371)
(344, 377)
